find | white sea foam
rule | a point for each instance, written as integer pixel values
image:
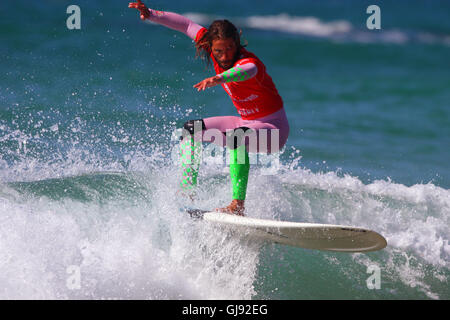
(299, 25)
(410, 217)
(121, 250)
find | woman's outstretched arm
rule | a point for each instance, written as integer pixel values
(169, 19)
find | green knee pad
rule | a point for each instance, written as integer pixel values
(239, 169)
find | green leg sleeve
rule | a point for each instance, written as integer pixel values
(190, 152)
(239, 169)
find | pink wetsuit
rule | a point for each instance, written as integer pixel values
(250, 88)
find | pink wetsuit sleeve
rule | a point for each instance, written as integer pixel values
(240, 72)
(175, 21)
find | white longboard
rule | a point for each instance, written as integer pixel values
(304, 235)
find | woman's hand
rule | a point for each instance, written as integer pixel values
(145, 13)
(208, 82)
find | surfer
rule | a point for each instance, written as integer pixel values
(252, 91)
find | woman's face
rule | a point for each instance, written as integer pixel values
(225, 52)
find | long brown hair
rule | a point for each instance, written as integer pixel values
(218, 30)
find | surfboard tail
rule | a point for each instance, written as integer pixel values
(196, 213)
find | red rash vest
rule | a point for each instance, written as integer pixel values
(254, 98)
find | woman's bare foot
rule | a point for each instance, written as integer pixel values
(235, 207)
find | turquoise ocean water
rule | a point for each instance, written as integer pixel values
(87, 170)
